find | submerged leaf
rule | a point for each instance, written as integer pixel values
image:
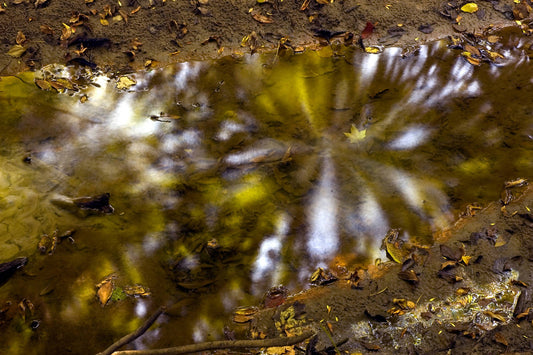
(105, 291)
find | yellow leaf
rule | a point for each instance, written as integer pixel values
(466, 259)
(372, 50)
(16, 51)
(104, 22)
(355, 135)
(470, 7)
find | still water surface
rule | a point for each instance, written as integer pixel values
(233, 176)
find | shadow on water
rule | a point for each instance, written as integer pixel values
(230, 177)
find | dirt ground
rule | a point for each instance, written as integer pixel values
(127, 35)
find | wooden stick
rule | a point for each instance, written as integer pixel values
(223, 344)
(132, 336)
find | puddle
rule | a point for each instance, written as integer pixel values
(230, 177)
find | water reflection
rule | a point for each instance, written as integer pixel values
(231, 177)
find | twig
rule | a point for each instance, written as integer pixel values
(223, 344)
(132, 336)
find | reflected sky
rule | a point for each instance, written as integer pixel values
(230, 177)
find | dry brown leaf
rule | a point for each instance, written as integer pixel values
(500, 338)
(105, 291)
(262, 18)
(305, 4)
(43, 85)
(323, 2)
(66, 32)
(47, 30)
(20, 38)
(135, 10)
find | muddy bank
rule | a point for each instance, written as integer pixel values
(469, 293)
(134, 34)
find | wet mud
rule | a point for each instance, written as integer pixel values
(470, 293)
(134, 34)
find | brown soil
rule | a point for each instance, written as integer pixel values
(131, 34)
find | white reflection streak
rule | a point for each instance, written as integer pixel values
(323, 235)
(410, 139)
(369, 220)
(267, 261)
(188, 70)
(369, 65)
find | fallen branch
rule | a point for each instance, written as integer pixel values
(223, 344)
(132, 336)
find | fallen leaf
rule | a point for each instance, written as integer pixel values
(124, 82)
(40, 3)
(355, 135)
(47, 30)
(373, 50)
(66, 32)
(369, 28)
(16, 51)
(495, 316)
(43, 85)
(261, 18)
(20, 38)
(104, 22)
(469, 7)
(104, 291)
(500, 338)
(305, 4)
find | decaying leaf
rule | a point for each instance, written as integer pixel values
(322, 277)
(244, 314)
(451, 253)
(367, 31)
(40, 3)
(16, 51)
(43, 85)
(500, 338)
(304, 5)
(105, 290)
(261, 18)
(137, 290)
(469, 7)
(66, 32)
(125, 82)
(409, 276)
(47, 30)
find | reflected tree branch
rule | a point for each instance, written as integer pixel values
(134, 335)
(223, 344)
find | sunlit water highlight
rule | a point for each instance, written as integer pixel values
(255, 184)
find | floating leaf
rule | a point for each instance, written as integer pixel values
(124, 82)
(355, 135)
(105, 290)
(469, 7)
